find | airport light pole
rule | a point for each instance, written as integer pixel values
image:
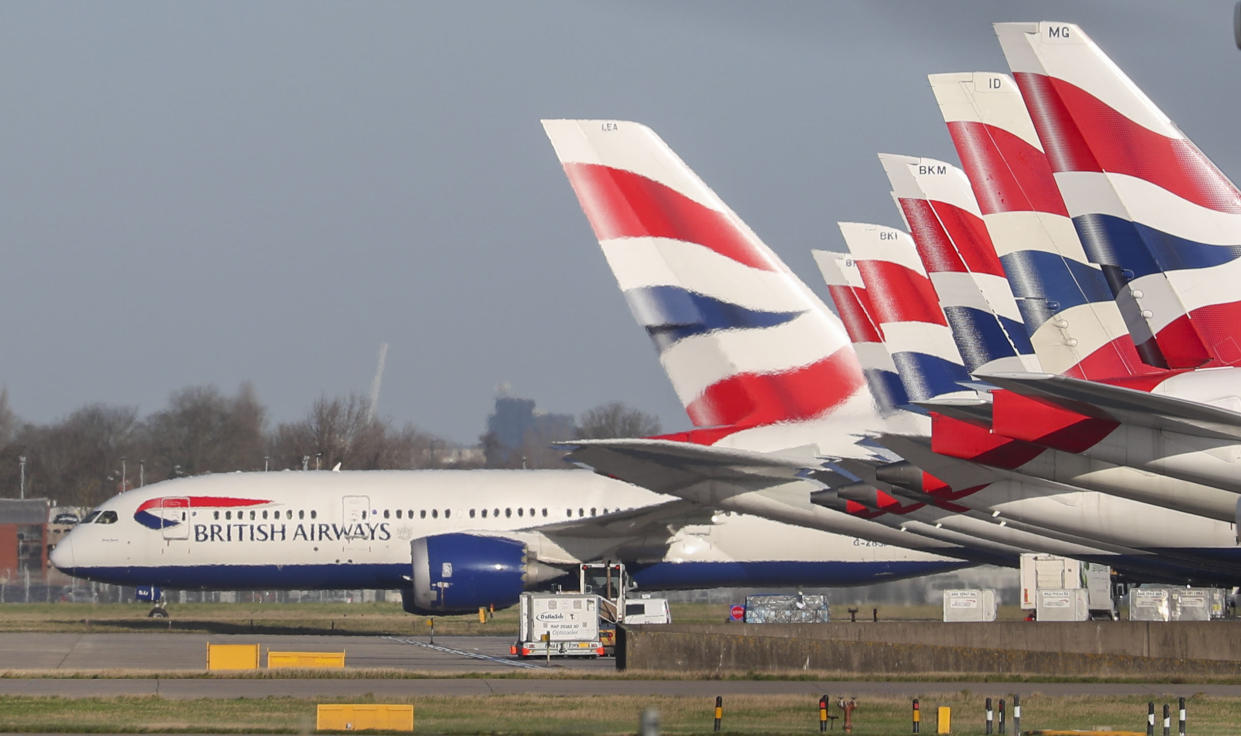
(124, 485)
(21, 476)
(266, 462)
(142, 473)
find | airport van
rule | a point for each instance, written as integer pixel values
(647, 611)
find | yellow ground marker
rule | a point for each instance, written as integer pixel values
(232, 657)
(365, 717)
(305, 660)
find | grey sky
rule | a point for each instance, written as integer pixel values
(227, 191)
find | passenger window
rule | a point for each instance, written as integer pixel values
(301, 513)
(545, 513)
(228, 514)
(484, 513)
(581, 512)
(398, 513)
(495, 512)
(508, 513)
(385, 513)
(215, 515)
(422, 514)
(447, 513)
(435, 514)
(532, 512)
(314, 514)
(264, 514)
(253, 514)
(288, 514)
(592, 510)
(471, 513)
(521, 511)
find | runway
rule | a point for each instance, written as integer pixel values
(115, 652)
(51, 664)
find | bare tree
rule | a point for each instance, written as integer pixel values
(337, 431)
(203, 431)
(78, 460)
(614, 419)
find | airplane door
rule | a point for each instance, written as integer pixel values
(356, 510)
(175, 517)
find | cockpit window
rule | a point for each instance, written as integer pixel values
(90, 517)
(106, 517)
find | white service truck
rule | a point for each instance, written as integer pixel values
(584, 623)
(558, 624)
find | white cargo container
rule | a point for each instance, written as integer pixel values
(1066, 604)
(1053, 572)
(969, 605)
(1159, 603)
(1150, 604)
(558, 624)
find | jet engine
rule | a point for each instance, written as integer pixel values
(458, 573)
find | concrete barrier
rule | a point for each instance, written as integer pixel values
(364, 717)
(1085, 648)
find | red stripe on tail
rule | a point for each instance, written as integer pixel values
(1082, 133)
(801, 393)
(1007, 173)
(622, 204)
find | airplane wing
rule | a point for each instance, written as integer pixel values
(665, 466)
(1124, 405)
(663, 518)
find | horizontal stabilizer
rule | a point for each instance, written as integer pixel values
(1124, 405)
(966, 410)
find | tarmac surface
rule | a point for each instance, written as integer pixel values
(46, 657)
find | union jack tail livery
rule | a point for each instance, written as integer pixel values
(1074, 325)
(907, 309)
(1160, 219)
(844, 285)
(952, 241)
(745, 343)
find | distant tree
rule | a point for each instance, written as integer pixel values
(614, 419)
(77, 460)
(203, 431)
(337, 431)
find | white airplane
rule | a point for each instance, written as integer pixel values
(450, 541)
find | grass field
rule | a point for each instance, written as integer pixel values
(343, 618)
(513, 714)
(608, 715)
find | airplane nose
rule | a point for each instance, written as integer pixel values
(62, 553)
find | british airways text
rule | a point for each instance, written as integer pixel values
(287, 532)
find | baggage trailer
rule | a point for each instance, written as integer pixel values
(558, 625)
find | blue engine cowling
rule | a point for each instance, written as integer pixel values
(458, 573)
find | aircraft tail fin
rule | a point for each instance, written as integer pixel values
(844, 285)
(907, 309)
(1073, 323)
(952, 240)
(743, 340)
(1159, 218)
